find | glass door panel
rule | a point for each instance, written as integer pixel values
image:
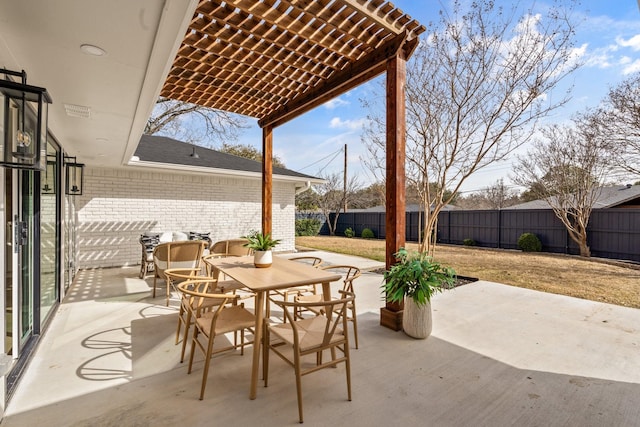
(49, 265)
(25, 235)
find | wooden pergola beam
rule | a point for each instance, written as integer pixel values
(391, 314)
(267, 179)
(365, 69)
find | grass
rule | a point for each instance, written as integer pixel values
(596, 280)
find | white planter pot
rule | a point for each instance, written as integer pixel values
(416, 321)
(262, 259)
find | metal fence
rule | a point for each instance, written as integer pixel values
(612, 233)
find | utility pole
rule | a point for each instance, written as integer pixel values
(345, 177)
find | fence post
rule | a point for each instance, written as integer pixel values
(499, 228)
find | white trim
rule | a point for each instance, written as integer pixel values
(174, 22)
(220, 172)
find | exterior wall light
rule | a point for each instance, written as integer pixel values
(74, 176)
(23, 123)
(49, 176)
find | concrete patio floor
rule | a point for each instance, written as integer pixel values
(498, 356)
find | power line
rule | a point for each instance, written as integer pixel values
(334, 154)
(329, 162)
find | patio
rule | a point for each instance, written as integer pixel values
(498, 355)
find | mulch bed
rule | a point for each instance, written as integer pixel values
(460, 280)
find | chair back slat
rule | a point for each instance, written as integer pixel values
(198, 291)
(349, 274)
(334, 317)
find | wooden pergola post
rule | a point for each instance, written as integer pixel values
(267, 178)
(391, 314)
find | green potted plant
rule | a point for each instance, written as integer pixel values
(261, 245)
(414, 280)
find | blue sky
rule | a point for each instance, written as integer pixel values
(609, 42)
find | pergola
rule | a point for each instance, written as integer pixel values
(274, 60)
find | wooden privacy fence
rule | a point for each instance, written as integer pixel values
(612, 233)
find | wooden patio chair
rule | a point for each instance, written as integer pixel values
(175, 276)
(349, 273)
(214, 314)
(300, 290)
(310, 337)
(231, 247)
(185, 255)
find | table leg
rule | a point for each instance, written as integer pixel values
(326, 291)
(257, 342)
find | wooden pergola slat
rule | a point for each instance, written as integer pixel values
(274, 60)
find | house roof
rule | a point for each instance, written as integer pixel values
(157, 151)
(609, 197)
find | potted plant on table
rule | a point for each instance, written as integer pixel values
(261, 245)
(414, 280)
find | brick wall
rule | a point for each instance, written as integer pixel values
(118, 205)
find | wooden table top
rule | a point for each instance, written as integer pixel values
(283, 273)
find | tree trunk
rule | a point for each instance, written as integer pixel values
(585, 251)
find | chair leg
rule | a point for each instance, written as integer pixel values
(193, 349)
(355, 323)
(347, 363)
(205, 372)
(180, 314)
(168, 282)
(265, 355)
(298, 386)
(185, 337)
(155, 278)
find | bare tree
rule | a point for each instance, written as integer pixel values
(193, 123)
(567, 169)
(476, 89)
(332, 197)
(496, 196)
(499, 196)
(619, 119)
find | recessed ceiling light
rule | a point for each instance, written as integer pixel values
(90, 49)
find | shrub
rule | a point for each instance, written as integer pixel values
(529, 242)
(367, 233)
(349, 232)
(308, 227)
(469, 242)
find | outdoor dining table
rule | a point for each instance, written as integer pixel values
(282, 274)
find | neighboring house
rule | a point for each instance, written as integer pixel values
(171, 185)
(618, 196)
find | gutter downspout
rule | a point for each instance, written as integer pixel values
(307, 185)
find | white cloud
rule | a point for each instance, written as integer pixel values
(632, 67)
(338, 123)
(600, 57)
(335, 103)
(633, 42)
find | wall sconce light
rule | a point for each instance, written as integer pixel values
(23, 116)
(48, 185)
(74, 176)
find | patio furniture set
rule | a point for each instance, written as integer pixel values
(213, 286)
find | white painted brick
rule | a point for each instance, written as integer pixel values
(119, 204)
